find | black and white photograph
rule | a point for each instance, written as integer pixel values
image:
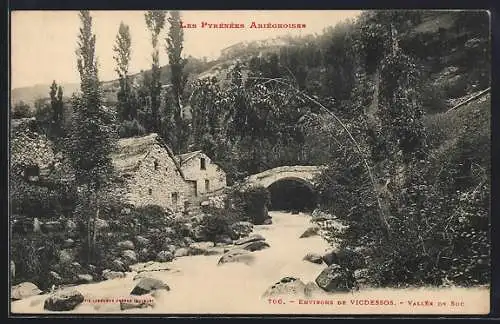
(321, 162)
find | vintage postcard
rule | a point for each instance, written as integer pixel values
(250, 162)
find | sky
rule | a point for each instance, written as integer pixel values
(43, 43)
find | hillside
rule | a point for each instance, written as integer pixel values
(450, 53)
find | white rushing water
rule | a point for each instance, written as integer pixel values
(200, 286)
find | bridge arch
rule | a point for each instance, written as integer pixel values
(291, 187)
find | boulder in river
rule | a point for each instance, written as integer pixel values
(55, 278)
(311, 231)
(129, 257)
(287, 286)
(24, 290)
(267, 221)
(223, 239)
(148, 285)
(200, 248)
(237, 255)
(314, 258)
(63, 300)
(181, 252)
(251, 238)
(335, 279)
(164, 256)
(254, 246)
(109, 275)
(118, 265)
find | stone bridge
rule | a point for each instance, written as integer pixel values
(300, 173)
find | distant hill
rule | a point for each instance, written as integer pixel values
(30, 94)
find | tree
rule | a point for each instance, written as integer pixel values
(122, 49)
(53, 101)
(175, 40)
(155, 21)
(92, 134)
(21, 110)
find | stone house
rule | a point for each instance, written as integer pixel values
(203, 175)
(151, 173)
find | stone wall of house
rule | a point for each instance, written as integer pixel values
(213, 173)
(150, 185)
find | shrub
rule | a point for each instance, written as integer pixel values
(252, 203)
(34, 256)
(217, 222)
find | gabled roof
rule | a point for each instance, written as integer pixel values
(183, 158)
(131, 151)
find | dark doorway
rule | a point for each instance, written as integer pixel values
(292, 195)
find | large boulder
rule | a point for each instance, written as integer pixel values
(314, 258)
(181, 252)
(254, 246)
(164, 256)
(64, 300)
(252, 238)
(24, 290)
(237, 255)
(268, 221)
(335, 279)
(126, 245)
(118, 265)
(311, 231)
(287, 286)
(109, 275)
(129, 257)
(200, 248)
(148, 285)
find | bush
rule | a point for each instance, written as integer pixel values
(217, 222)
(34, 256)
(21, 110)
(252, 203)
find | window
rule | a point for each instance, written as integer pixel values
(150, 191)
(207, 185)
(175, 198)
(156, 165)
(203, 164)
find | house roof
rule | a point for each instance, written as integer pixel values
(131, 151)
(183, 158)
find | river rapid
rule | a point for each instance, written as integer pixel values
(198, 285)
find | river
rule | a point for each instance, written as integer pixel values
(198, 285)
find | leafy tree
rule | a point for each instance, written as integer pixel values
(91, 139)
